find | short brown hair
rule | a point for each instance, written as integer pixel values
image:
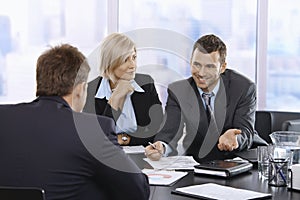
(211, 43)
(59, 69)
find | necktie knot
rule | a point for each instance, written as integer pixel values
(207, 97)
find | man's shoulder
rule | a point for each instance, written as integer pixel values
(182, 83)
(91, 116)
(236, 77)
(183, 88)
(17, 106)
(237, 84)
(88, 124)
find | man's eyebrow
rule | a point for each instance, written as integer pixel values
(196, 63)
(210, 65)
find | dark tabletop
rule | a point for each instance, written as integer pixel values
(249, 180)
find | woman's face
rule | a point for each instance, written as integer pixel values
(126, 71)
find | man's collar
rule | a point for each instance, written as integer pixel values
(214, 91)
(58, 99)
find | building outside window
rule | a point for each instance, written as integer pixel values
(29, 28)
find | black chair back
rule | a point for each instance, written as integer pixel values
(267, 122)
(21, 193)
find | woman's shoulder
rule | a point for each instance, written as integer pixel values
(143, 79)
(140, 75)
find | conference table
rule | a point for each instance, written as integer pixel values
(249, 180)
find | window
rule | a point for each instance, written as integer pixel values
(165, 32)
(283, 60)
(27, 30)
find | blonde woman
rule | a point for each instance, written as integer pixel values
(124, 95)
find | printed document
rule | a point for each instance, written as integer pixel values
(163, 177)
(215, 191)
(134, 149)
(173, 163)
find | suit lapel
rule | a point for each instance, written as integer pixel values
(190, 104)
(221, 105)
(193, 112)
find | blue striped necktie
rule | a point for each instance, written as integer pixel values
(209, 111)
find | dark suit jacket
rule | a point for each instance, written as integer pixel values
(234, 107)
(146, 105)
(45, 144)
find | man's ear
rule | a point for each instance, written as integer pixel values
(78, 97)
(223, 67)
(79, 89)
(83, 87)
(76, 90)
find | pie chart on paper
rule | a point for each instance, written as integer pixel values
(163, 177)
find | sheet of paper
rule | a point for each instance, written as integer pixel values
(223, 192)
(134, 149)
(173, 163)
(163, 177)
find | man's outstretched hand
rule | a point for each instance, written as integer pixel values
(228, 141)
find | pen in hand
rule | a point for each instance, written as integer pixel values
(154, 147)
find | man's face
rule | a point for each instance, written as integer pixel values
(206, 69)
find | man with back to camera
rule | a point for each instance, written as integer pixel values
(49, 144)
(216, 105)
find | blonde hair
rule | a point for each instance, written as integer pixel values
(114, 50)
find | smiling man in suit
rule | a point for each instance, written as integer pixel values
(48, 143)
(216, 106)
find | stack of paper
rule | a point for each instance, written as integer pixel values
(163, 177)
(215, 191)
(173, 163)
(296, 176)
(134, 149)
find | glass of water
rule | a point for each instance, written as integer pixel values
(263, 153)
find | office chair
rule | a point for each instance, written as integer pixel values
(21, 193)
(267, 122)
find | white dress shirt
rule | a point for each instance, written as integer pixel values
(213, 97)
(126, 121)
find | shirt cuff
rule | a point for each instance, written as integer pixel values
(168, 149)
